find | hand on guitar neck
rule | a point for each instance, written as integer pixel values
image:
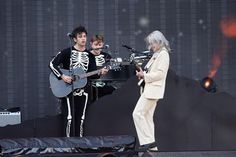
(104, 71)
(140, 73)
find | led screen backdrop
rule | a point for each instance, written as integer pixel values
(201, 34)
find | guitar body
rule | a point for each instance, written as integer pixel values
(61, 89)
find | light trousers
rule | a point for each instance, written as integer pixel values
(143, 119)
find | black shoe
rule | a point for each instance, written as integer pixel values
(148, 146)
(154, 149)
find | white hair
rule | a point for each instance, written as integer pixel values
(158, 37)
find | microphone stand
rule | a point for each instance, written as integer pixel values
(71, 71)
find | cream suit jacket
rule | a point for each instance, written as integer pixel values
(155, 78)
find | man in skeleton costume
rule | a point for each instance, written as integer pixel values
(101, 88)
(70, 58)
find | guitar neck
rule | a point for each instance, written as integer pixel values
(137, 67)
(85, 75)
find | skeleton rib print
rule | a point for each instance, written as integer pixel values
(100, 60)
(80, 59)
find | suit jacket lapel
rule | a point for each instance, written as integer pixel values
(154, 57)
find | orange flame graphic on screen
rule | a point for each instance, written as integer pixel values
(228, 28)
(217, 59)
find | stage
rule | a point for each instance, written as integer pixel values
(191, 120)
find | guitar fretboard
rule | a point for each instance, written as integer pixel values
(89, 74)
(85, 75)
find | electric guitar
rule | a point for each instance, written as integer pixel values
(137, 65)
(136, 61)
(61, 89)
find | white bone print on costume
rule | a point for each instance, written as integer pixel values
(100, 60)
(80, 59)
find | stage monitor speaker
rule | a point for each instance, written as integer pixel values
(9, 118)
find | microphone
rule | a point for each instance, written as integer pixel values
(70, 35)
(130, 48)
(103, 48)
(106, 47)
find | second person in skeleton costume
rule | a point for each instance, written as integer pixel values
(101, 86)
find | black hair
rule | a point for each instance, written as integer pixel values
(79, 30)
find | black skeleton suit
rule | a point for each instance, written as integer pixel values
(86, 61)
(100, 87)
